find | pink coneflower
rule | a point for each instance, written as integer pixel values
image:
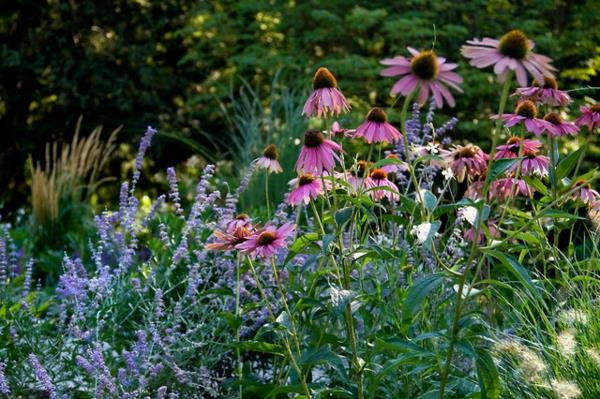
(491, 227)
(340, 132)
(526, 113)
(468, 161)
(546, 93)
(511, 148)
(508, 187)
(511, 53)
(376, 128)
(325, 98)
(306, 187)
(427, 70)
(357, 179)
(379, 179)
(226, 241)
(398, 167)
(269, 160)
(585, 192)
(241, 220)
(558, 126)
(590, 117)
(317, 154)
(475, 189)
(267, 241)
(533, 164)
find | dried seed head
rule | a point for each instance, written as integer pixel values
(313, 138)
(377, 115)
(271, 152)
(324, 79)
(266, 238)
(549, 83)
(425, 65)
(527, 109)
(554, 118)
(595, 108)
(378, 174)
(514, 44)
(305, 179)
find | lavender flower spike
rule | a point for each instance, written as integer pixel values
(144, 145)
(42, 376)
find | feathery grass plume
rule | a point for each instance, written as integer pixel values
(572, 317)
(567, 343)
(594, 355)
(565, 389)
(70, 171)
(530, 364)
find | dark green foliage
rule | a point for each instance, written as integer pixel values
(171, 63)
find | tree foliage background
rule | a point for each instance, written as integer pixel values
(176, 64)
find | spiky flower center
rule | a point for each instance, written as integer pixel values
(378, 174)
(266, 238)
(595, 108)
(582, 183)
(271, 152)
(242, 216)
(468, 151)
(305, 179)
(377, 114)
(527, 109)
(554, 118)
(514, 44)
(530, 153)
(425, 65)
(513, 140)
(313, 139)
(549, 83)
(324, 79)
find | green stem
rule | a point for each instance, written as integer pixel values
(238, 316)
(267, 194)
(474, 247)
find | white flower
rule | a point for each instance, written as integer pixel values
(448, 174)
(422, 232)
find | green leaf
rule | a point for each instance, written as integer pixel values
(419, 291)
(489, 379)
(258, 346)
(556, 214)
(429, 200)
(500, 166)
(516, 269)
(566, 165)
(343, 215)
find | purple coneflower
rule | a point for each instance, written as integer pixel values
(379, 179)
(318, 154)
(356, 177)
(526, 113)
(491, 227)
(511, 148)
(427, 70)
(269, 160)
(376, 128)
(227, 241)
(266, 242)
(399, 167)
(340, 132)
(467, 162)
(546, 93)
(585, 192)
(533, 164)
(307, 187)
(325, 98)
(511, 53)
(558, 126)
(508, 187)
(590, 117)
(241, 220)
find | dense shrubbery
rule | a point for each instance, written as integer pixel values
(172, 62)
(396, 264)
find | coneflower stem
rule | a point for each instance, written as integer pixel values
(238, 316)
(474, 246)
(411, 169)
(286, 343)
(267, 194)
